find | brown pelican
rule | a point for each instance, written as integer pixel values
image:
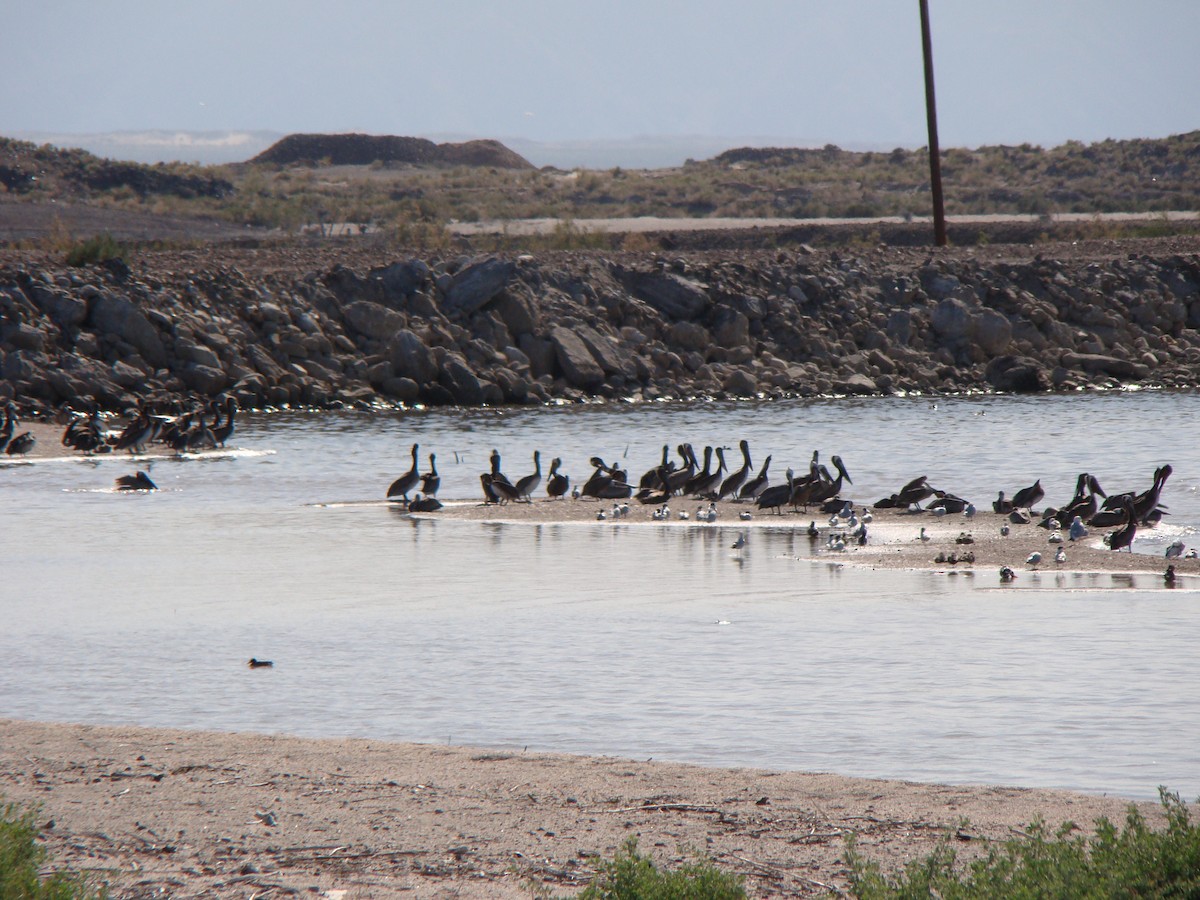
(527, 485)
(137, 482)
(431, 480)
(730, 486)
(778, 496)
(1124, 537)
(21, 444)
(557, 484)
(424, 504)
(756, 485)
(406, 482)
(1027, 497)
(223, 431)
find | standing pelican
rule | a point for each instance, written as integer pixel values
(778, 496)
(527, 485)
(406, 482)
(1124, 536)
(1027, 497)
(756, 485)
(223, 430)
(431, 480)
(729, 487)
(557, 483)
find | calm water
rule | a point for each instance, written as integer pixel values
(608, 638)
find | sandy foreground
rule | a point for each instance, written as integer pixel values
(156, 812)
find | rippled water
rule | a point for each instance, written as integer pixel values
(610, 638)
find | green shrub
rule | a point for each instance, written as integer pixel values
(94, 250)
(631, 876)
(21, 857)
(1137, 861)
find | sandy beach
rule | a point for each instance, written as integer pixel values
(157, 812)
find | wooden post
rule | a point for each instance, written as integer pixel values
(935, 163)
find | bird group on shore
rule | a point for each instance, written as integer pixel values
(204, 426)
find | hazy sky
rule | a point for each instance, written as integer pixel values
(841, 71)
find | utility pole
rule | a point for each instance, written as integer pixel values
(935, 163)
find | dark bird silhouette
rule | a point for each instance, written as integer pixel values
(22, 444)
(1027, 497)
(777, 496)
(730, 486)
(1124, 536)
(756, 485)
(527, 485)
(259, 663)
(136, 482)
(1000, 505)
(223, 430)
(424, 504)
(431, 480)
(557, 484)
(406, 482)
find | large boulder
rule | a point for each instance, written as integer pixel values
(993, 332)
(401, 279)
(109, 314)
(411, 358)
(476, 285)
(373, 320)
(1017, 374)
(463, 384)
(578, 365)
(672, 295)
(611, 358)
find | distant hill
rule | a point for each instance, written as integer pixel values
(364, 149)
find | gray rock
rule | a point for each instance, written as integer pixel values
(672, 295)
(610, 357)
(899, 327)
(1096, 364)
(373, 320)
(411, 358)
(405, 390)
(1020, 375)
(689, 336)
(855, 385)
(732, 328)
(541, 354)
(109, 314)
(578, 365)
(401, 279)
(992, 332)
(740, 383)
(474, 286)
(951, 320)
(517, 309)
(463, 384)
(205, 379)
(64, 310)
(24, 337)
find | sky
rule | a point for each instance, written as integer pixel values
(797, 72)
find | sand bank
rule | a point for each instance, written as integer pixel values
(187, 814)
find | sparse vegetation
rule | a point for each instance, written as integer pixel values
(1137, 861)
(22, 858)
(95, 249)
(1109, 176)
(631, 876)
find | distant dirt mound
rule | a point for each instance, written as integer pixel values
(364, 149)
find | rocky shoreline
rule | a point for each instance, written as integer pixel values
(378, 327)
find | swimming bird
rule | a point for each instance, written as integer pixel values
(812, 529)
(137, 482)
(756, 485)
(259, 663)
(1027, 497)
(406, 482)
(557, 483)
(1077, 530)
(1169, 575)
(731, 485)
(1007, 574)
(431, 480)
(424, 504)
(527, 485)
